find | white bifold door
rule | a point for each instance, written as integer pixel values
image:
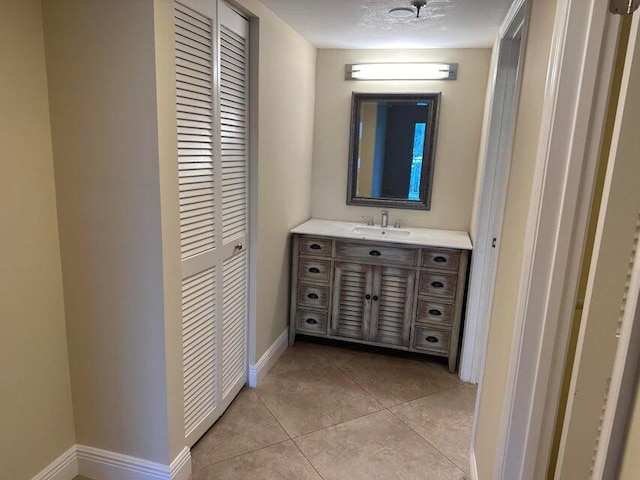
(211, 47)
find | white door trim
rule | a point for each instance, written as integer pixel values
(568, 150)
(504, 100)
(622, 389)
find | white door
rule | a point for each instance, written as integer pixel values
(212, 162)
(595, 424)
(234, 187)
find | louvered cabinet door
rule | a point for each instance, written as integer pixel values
(234, 198)
(352, 284)
(194, 51)
(391, 309)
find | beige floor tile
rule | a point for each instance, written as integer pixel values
(246, 425)
(375, 447)
(277, 462)
(300, 356)
(304, 355)
(393, 380)
(308, 400)
(444, 419)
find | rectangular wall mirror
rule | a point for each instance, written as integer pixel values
(391, 159)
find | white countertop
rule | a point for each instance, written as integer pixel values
(417, 236)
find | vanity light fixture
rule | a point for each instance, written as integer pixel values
(402, 71)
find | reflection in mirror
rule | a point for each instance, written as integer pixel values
(392, 149)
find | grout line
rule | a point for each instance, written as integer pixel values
(436, 448)
(307, 459)
(251, 451)
(339, 423)
(424, 396)
(273, 416)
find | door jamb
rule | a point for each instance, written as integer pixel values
(568, 150)
(498, 151)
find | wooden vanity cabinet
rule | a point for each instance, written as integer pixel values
(392, 295)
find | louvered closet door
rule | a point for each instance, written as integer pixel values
(233, 211)
(393, 290)
(194, 49)
(352, 284)
(211, 101)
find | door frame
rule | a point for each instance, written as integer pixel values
(568, 150)
(622, 387)
(505, 87)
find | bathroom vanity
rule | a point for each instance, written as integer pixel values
(401, 288)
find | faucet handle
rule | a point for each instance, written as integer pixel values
(369, 220)
(400, 222)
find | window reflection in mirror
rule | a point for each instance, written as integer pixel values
(392, 149)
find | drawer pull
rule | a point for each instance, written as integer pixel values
(315, 246)
(435, 312)
(314, 270)
(375, 298)
(375, 253)
(437, 284)
(367, 296)
(432, 339)
(311, 321)
(313, 296)
(439, 259)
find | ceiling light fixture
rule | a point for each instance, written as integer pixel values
(418, 4)
(402, 71)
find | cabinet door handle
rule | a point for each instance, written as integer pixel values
(315, 246)
(432, 339)
(314, 270)
(368, 297)
(375, 298)
(437, 284)
(435, 312)
(439, 259)
(312, 321)
(375, 253)
(313, 296)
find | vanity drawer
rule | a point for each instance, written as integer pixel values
(376, 253)
(438, 284)
(311, 322)
(435, 312)
(315, 270)
(432, 339)
(315, 246)
(313, 296)
(441, 258)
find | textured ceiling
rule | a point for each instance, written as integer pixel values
(367, 23)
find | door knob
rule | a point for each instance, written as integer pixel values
(239, 246)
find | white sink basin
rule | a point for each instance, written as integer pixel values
(379, 232)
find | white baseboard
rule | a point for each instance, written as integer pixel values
(65, 467)
(473, 467)
(258, 371)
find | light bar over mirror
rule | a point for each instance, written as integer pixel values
(402, 71)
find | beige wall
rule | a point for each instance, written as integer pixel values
(164, 31)
(458, 139)
(101, 71)
(36, 423)
(511, 247)
(630, 465)
(281, 164)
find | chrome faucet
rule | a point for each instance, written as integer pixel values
(385, 219)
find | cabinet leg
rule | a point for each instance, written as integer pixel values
(452, 365)
(292, 336)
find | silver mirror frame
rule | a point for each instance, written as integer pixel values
(426, 177)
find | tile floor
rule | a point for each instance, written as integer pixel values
(332, 413)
